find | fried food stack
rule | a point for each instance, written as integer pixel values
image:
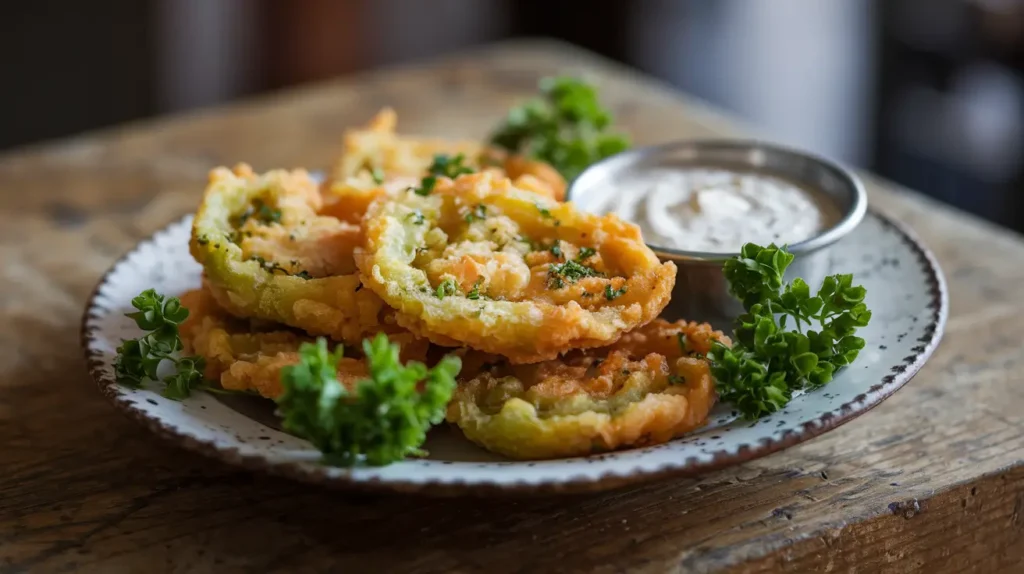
(554, 311)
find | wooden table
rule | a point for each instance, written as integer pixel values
(931, 480)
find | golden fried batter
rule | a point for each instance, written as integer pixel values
(662, 337)
(377, 146)
(625, 395)
(377, 162)
(535, 176)
(269, 255)
(483, 264)
(243, 358)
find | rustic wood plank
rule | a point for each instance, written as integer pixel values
(931, 480)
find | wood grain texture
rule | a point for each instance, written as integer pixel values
(931, 480)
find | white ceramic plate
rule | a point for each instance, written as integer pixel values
(906, 293)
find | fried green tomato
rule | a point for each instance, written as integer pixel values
(480, 263)
(268, 254)
(376, 162)
(647, 390)
(243, 356)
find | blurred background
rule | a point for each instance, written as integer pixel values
(929, 93)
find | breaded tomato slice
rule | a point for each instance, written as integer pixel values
(377, 147)
(480, 263)
(376, 161)
(671, 339)
(590, 402)
(247, 357)
(268, 254)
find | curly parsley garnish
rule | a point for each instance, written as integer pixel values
(383, 420)
(138, 360)
(566, 127)
(767, 362)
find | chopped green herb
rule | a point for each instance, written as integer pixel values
(382, 420)
(446, 288)
(478, 213)
(475, 292)
(273, 267)
(585, 253)
(416, 217)
(612, 294)
(571, 271)
(426, 185)
(378, 175)
(442, 166)
(448, 166)
(259, 211)
(556, 249)
(546, 214)
(676, 380)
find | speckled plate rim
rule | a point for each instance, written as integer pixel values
(862, 403)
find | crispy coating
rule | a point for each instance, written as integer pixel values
(640, 392)
(378, 146)
(663, 337)
(243, 357)
(268, 254)
(403, 161)
(533, 175)
(483, 264)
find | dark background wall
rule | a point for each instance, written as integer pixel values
(929, 93)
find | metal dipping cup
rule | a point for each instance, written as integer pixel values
(701, 292)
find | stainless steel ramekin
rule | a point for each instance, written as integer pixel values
(701, 293)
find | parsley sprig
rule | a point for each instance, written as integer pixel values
(566, 127)
(767, 362)
(139, 360)
(383, 420)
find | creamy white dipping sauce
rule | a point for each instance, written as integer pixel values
(714, 210)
